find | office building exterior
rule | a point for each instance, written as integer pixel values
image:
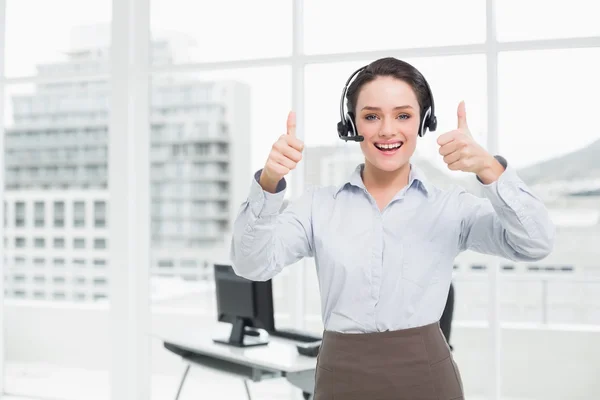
(56, 178)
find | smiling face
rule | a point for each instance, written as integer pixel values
(388, 116)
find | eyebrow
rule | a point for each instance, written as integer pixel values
(379, 109)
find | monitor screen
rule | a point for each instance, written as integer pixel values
(243, 303)
(235, 297)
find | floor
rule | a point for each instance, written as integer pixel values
(39, 382)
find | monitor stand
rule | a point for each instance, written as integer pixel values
(240, 338)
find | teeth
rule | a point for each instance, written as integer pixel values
(388, 146)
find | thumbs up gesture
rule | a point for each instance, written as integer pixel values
(285, 153)
(462, 153)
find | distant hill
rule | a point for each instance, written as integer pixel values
(579, 164)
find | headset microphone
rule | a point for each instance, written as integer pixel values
(343, 131)
(357, 138)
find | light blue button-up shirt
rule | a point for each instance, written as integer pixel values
(390, 269)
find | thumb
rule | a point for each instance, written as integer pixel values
(291, 124)
(462, 116)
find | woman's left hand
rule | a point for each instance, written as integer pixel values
(462, 153)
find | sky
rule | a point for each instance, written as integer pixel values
(545, 97)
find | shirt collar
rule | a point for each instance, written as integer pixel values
(416, 178)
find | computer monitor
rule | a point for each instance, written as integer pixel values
(244, 304)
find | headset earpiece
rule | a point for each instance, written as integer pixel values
(341, 128)
(432, 123)
(351, 125)
(429, 122)
(429, 119)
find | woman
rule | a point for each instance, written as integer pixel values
(384, 241)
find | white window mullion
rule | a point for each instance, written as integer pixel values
(298, 280)
(492, 145)
(129, 201)
(2, 210)
(550, 44)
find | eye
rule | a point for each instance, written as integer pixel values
(370, 117)
(404, 116)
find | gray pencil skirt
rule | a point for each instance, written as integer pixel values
(409, 364)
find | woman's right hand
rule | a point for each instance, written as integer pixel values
(285, 154)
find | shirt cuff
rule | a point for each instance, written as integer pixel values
(502, 162)
(505, 191)
(262, 202)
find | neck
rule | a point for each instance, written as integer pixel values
(378, 180)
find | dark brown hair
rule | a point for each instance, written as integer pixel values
(393, 67)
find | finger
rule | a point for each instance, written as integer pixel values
(291, 153)
(294, 142)
(455, 166)
(284, 161)
(277, 168)
(459, 142)
(452, 157)
(448, 148)
(288, 142)
(291, 124)
(447, 137)
(461, 113)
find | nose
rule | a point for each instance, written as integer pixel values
(387, 128)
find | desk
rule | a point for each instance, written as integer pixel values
(277, 359)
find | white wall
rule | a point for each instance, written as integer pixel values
(538, 362)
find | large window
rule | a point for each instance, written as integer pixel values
(209, 131)
(544, 133)
(337, 26)
(51, 121)
(44, 123)
(185, 32)
(249, 105)
(538, 19)
(62, 37)
(545, 99)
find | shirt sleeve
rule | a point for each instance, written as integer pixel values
(266, 239)
(510, 221)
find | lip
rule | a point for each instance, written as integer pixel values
(389, 153)
(390, 142)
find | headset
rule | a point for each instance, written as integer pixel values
(347, 127)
